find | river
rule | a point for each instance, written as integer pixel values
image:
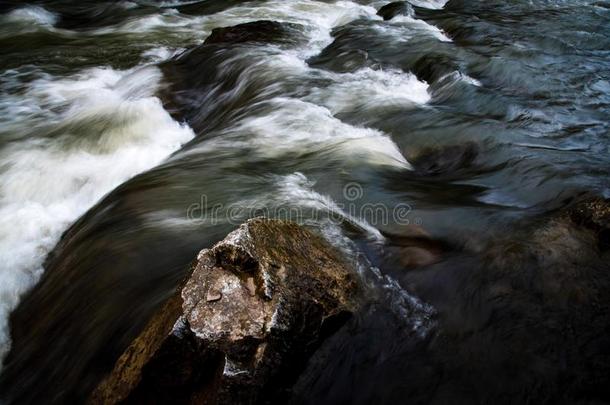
(457, 121)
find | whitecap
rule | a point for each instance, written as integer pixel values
(296, 190)
(160, 54)
(31, 15)
(317, 19)
(289, 122)
(404, 28)
(367, 88)
(109, 128)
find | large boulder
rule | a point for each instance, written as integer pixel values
(242, 326)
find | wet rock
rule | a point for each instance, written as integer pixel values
(445, 159)
(210, 84)
(353, 48)
(594, 214)
(433, 66)
(394, 9)
(257, 31)
(412, 248)
(206, 7)
(347, 61)
(243, 324)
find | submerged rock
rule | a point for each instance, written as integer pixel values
(208, 86)
(242, 326)
(346, 54)
(257, 31)
(412, 248)
(396, 8)
(447, 159)
(519, 318)
(431, 67)
(594, 214)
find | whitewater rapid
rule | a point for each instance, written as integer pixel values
(73, 139)
(46, 183)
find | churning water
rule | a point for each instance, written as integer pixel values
(119, 131)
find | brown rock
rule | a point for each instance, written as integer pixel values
(411, 247)
(242, 326)
(449, 159)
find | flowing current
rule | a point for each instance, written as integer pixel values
(126, 146)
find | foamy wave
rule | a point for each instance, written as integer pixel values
(297, 189)
(372, 88)
(404, 28)
(291, 122)
(160, 54)
(317, 18)
(110, 128)
(458, 76)
(421, 25)
(410, 309)
(31, 15)
(292, 197)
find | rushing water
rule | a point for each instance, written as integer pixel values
(459, 121)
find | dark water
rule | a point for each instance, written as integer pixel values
(432, 147)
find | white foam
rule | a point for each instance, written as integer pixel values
(458, 76)
(309, 123)
(31, 15)
(403, 28)
(414, 23)
(318, 19)
(14, 106)
(470, 80)
(297, 190)
(289, 122)
(46, 183)
(413, 311)
(160, 54)
(371, 88)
